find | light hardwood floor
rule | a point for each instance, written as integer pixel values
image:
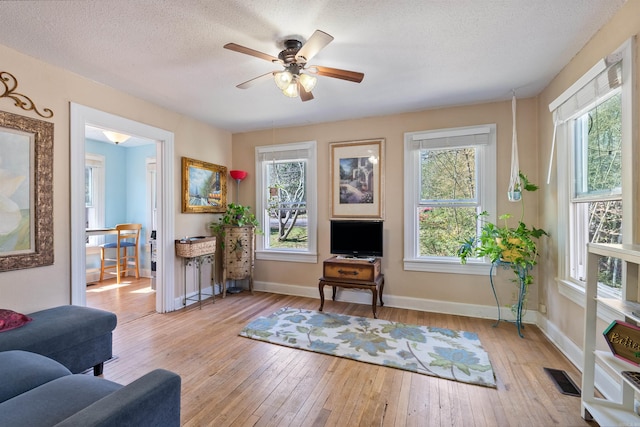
(228, 380)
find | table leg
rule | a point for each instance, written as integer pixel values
(334, 293)
(321, 288)
(185, 263)
(212, 261)
(199, 268)
(381, 290)
(224, 283)
(374, 291)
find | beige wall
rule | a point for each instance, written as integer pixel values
(566, 316)
(407, 286)
(51, 87)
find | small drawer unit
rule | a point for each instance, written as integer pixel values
(351, 269)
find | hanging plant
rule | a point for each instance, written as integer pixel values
(516, 246)
(514, 193)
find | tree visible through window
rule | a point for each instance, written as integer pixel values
(287, 205)
(448, 203)
(286, 202)
(596, 211)
(449, 179)
(594, 120)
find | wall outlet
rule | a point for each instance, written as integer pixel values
(542, 308)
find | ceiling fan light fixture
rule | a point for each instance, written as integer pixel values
(283, 79)
(292, 90)
(308, 82)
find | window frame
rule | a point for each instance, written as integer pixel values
(97, 163)
(486, 165)
(310, 255)
(568, 286)
(577, 209)
(152, 192)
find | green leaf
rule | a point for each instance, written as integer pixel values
(517, 245)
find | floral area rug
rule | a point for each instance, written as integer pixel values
(443, 353)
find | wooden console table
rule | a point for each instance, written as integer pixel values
(353, 273)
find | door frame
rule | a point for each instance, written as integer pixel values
(81, 116)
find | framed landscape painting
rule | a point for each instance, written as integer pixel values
(204, 187)
(26, 192)
(357, 179)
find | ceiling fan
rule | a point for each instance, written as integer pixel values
(295, 58)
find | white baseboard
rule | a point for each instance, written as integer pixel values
(561, 341)
(359, 296)
(605, 383)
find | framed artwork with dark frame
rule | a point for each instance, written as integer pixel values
(204, 187)
(26, 192)
(357, 179)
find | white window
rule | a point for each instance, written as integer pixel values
(152, 195)
(94, 196)
(594, 170)
(449, 179)
(286, 202)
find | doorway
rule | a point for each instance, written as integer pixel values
(120, 182)
(82, 116)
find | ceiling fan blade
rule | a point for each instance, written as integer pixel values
(252, 52)
(317, 41)
(336, 73)
(255, 81)
(304, 95)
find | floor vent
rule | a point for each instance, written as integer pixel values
(563, 382)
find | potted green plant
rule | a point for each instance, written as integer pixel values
(236, 229)
(235, 215)
(516, 247)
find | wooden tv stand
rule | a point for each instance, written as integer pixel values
(352, 273)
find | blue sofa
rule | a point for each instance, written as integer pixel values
(80, 338)
(37, 391)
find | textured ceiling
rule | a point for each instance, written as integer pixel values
(415, 54)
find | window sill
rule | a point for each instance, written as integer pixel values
(454, 267)
(576, 294)
(287, 256)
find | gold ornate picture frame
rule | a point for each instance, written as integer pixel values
(26, 192)
(357, 179)
(204, 187)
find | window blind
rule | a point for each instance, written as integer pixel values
(591, 93)
(579, 98)
(293, 152)
(476, 135)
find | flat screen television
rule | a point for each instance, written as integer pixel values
(357, 238)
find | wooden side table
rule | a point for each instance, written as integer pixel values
(353, 273)
(197, 250)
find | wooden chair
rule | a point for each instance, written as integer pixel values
(128, 236)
